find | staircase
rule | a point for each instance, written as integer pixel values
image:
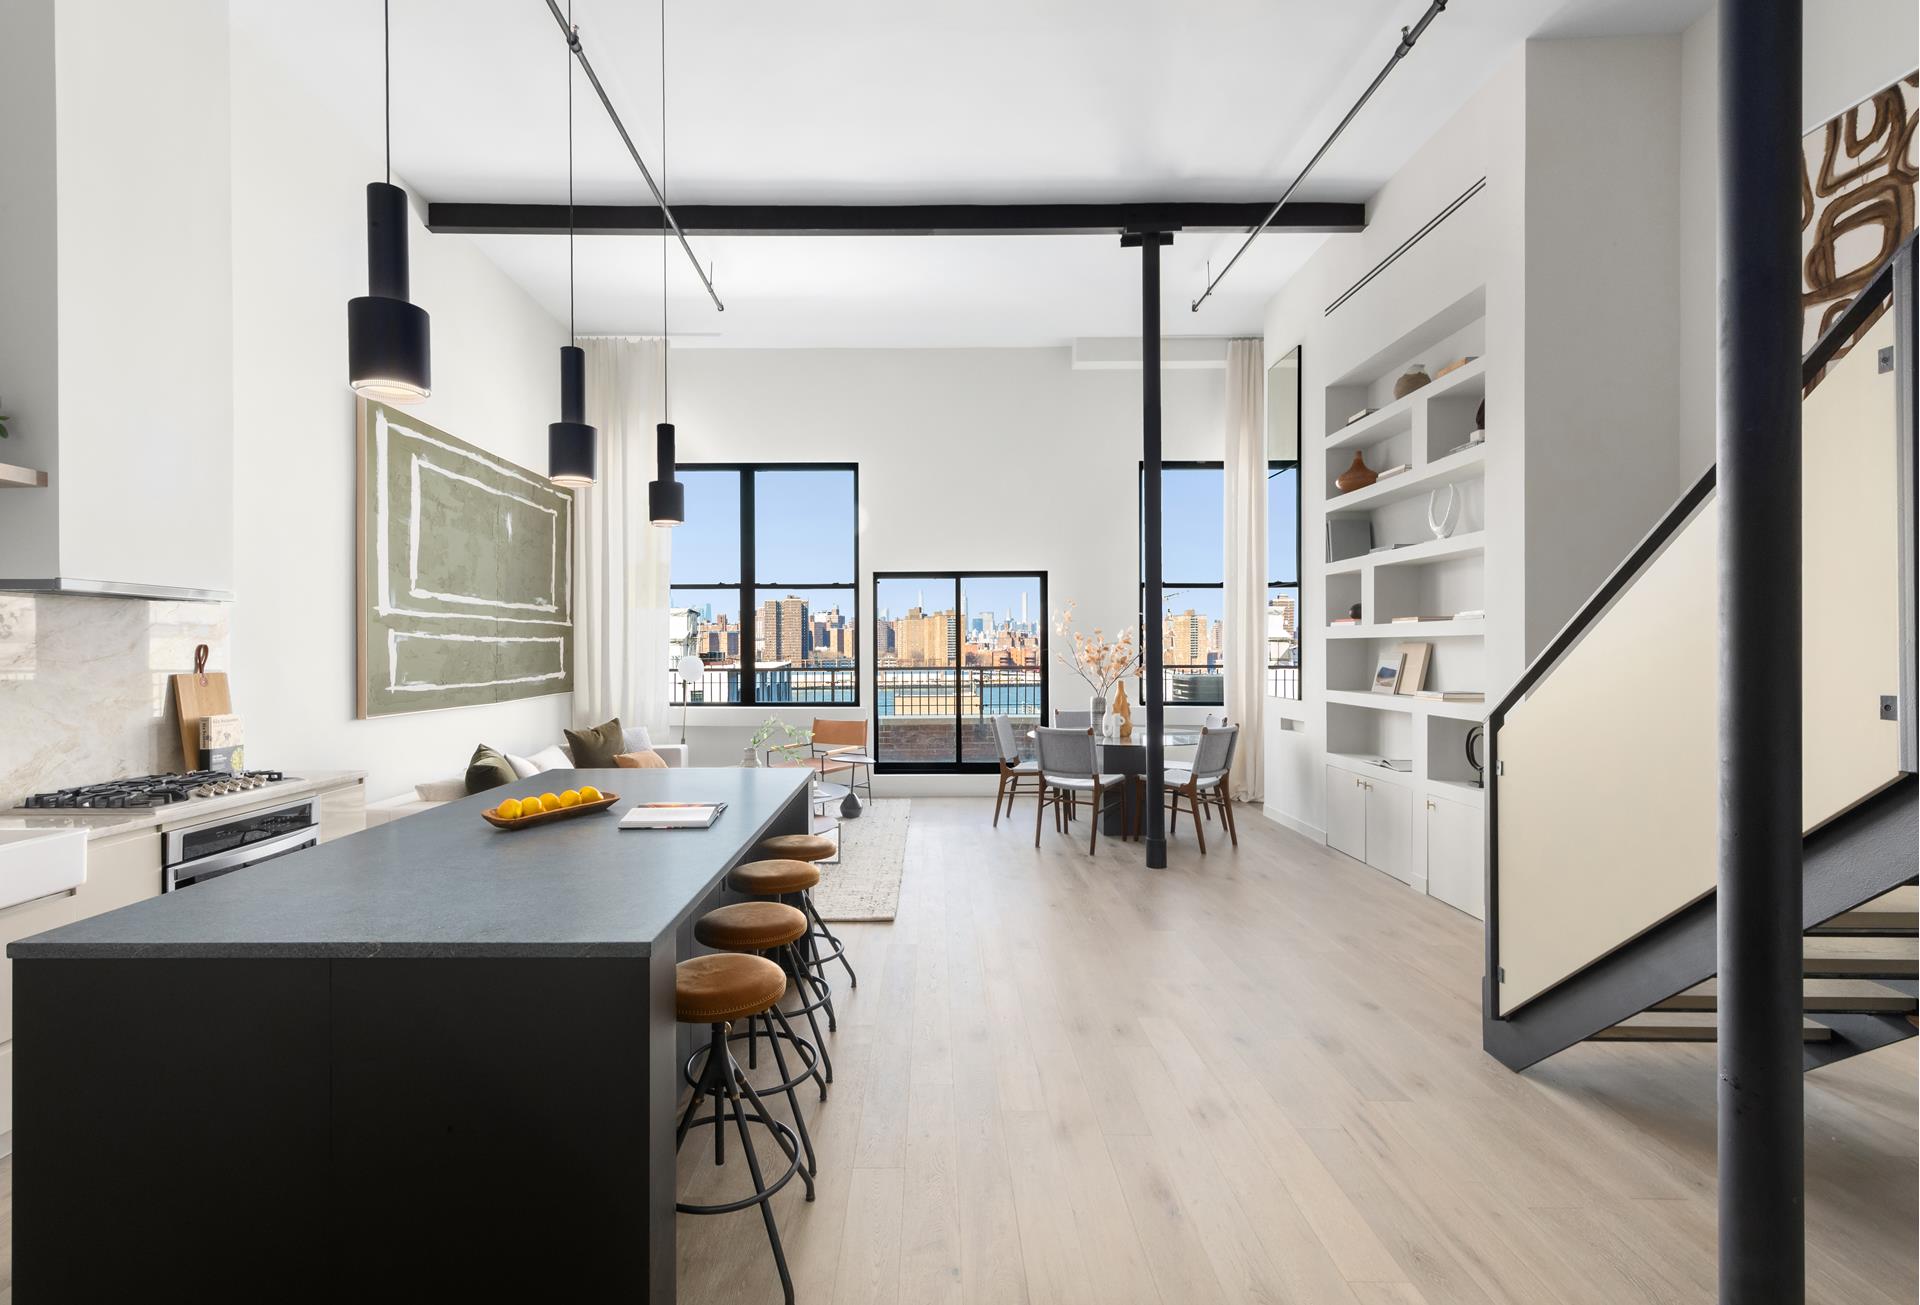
(1603, 930)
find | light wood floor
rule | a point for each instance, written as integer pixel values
(1252, 1077)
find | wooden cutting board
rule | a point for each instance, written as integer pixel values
(200, 692)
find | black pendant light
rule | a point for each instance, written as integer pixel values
(388, 350)
(573, 447)
(666, 497)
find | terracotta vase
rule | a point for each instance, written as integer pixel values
(1357, 476)
(1414, 378)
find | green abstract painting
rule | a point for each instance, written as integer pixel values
(466, 572)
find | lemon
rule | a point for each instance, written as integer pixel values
(589, 794)
(509, 809)
(550, 802)
(570, 798)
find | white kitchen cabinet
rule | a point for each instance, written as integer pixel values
(1371, 821)
(120, 871)
(1456, 855)
(1390, 830)
(343, 810)
(1346, 813)
(24, 921)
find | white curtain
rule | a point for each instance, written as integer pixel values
(621, 562)
(1245, 517)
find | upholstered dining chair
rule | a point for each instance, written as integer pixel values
(1072, 720)
(1068, 761)
(1215, 721)
(1205, 785)
(1013, 767)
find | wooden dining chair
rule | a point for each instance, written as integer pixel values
(1013, 768)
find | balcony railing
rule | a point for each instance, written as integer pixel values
(928, 713)
(805, 685)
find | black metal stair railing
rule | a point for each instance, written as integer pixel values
(1852, 860)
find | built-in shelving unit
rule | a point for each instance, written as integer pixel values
(12, 477)
(1398, 565)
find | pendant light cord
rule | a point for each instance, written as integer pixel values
(386, 78)
(666, 341)
(572, 330)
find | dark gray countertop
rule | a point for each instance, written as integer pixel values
(446, 883)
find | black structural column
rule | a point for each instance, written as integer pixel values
(1151, 636)
(1762, 1178)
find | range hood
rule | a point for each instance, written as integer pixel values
(115, 589)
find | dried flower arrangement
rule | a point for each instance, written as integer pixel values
(1101, 663)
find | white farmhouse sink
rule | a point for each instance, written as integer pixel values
(40, 862)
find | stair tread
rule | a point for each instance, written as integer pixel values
(1814, 1004)
(1860, 967)
(1688, 1033)
(1871, 921)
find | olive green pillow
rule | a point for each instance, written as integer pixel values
(596, 748)
(488, 769)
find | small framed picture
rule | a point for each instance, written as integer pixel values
(1386, 676)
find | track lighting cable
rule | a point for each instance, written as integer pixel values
(613, 115)
(666, 340)
(1408, 35)
(573, 333)
(386, 78)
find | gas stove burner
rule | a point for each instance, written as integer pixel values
(157, 790)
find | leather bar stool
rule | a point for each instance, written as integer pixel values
(781, 878)
(769, 929)
(717, 990)
(822, 945)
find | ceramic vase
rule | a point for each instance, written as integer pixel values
(749, 759)
(1099, 709)
(1414, 378)
(1357, 476)
(1123, 709)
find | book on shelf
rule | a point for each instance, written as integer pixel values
(1455, 365)
(1400, 470)
(1364, 412)
(672, 815)
(1416, 620)
(1392, 763)
(1471, 614)
(1344, 620)
(1451, 695)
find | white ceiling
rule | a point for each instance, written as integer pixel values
(879, 101)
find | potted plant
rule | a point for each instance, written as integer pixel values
(1102, 663)
(793, 742)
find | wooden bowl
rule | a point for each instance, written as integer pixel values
(604, 801)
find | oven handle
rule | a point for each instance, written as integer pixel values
(177, 838)
(241, 855)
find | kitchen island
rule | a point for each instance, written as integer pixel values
(434, 1059)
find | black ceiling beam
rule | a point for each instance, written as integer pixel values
(891, 219)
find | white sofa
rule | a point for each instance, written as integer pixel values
(435, 792)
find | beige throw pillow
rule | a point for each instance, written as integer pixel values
(640, 761)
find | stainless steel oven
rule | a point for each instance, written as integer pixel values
(201, 852)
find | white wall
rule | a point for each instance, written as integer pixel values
(990, 459)
(299, 253)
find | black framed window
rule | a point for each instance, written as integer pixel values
(951, 651)
(1192, 619)
(766, 585)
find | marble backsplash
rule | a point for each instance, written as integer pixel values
(84, 688)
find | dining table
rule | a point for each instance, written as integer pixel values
(1127, 755)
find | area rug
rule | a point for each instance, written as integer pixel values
(862, 880)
